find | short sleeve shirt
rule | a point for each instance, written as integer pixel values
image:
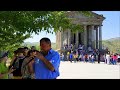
(3, 69)
(42, 72)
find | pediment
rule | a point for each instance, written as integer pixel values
(78, 15)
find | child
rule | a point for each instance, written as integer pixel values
(71, 57)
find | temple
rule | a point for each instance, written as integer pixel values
(91, 35)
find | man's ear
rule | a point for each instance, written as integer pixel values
(50, 45)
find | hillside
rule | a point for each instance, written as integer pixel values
(114, 39)
(36, 44)
(113, 44)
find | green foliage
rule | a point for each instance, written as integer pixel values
(16, 26)
(113, 45)
(75, 27)
(86, 13)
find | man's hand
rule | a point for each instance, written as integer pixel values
(45, 61)
(39, 55)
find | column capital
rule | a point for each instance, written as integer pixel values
(95, 27)
(100, 25)
(92, 26)
(85, 25)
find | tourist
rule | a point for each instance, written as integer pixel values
(71, 57)
(111, 59)
(4, 70)
(118, 58)
(80, 57)
(47, 61)
(62, 57)
(68, 53)
(17, 63)
(15, 55)
(86, 57)
(99, 56)
(114, 59)
(27, 65)
(33, 48)
(108, 58)
(92, 58)
(26, 49)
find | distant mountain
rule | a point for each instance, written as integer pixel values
(114, 39)
(31, 43)
(112, 44)
(36, 44)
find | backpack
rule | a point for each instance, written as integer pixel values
(17, 65)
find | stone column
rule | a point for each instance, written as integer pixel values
(89, 36)
(92, 37)
(61, 40)
(97, 38)
(58, 40)
(69, 37)
(85, 36)
(64, 36)
(77, 39)
(100, 37)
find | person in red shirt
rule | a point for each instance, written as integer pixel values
(114, 59)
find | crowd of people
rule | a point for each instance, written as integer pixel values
(31, 63)
(44, 64)
(88, 55)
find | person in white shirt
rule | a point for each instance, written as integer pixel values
(92, 58)
(108, 58)
(118, 58)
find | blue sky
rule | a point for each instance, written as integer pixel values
(110, 28)
(111, 25)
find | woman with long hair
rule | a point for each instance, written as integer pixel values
(27, 66)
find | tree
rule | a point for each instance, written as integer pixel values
(16, 26)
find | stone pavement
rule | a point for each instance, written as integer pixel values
(81, 70)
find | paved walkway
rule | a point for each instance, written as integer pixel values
(81, 70)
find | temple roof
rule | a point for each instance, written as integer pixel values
(72, 13)
(85, 19)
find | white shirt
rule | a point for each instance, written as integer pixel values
(118, 56)
(108, 57)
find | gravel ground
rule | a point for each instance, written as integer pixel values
(81, 70)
